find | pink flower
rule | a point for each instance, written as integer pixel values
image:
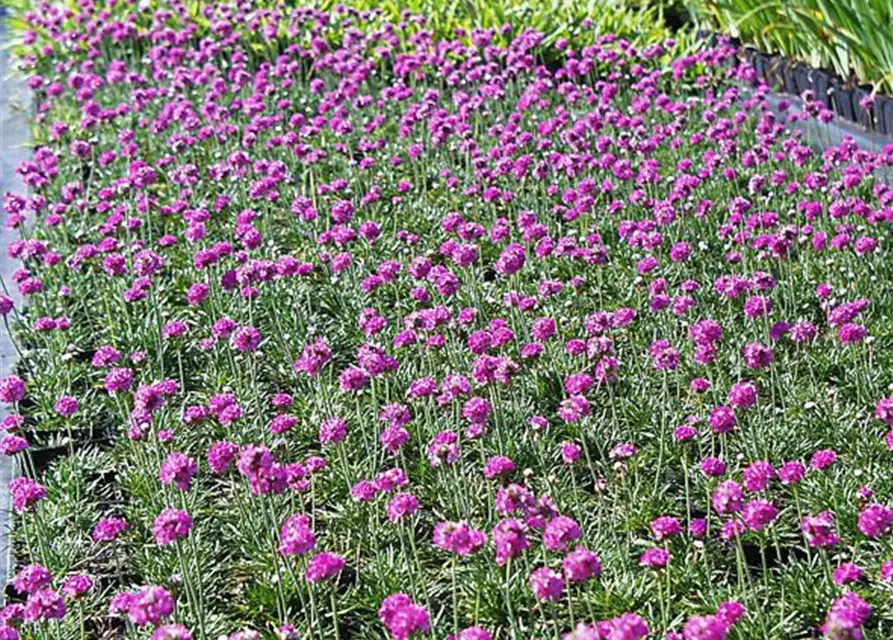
(704, 628)
(403, 617)
(402, 505)
(665, 527)
(32, 578)
(44, 604)
(510, 538)
(77, 585)
(581, 564)
(323, 566)
(178, 469)
(546, 584)
(332, 431)
(171, 525)
(296, 537)
(12, 389)
(458, 538)
(245, 339)
(560, 532)
(654, 558)
(109, 529)
(875, 520)
(66, 406)
(149, 605)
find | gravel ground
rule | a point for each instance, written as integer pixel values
(13, 140)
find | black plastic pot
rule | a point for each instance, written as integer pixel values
(761, 64)
(887, 114)
(787, 75)
(842, 100)
(801, 79)
(821, 84)
(861, 115)
(879, 124)
(774, 75)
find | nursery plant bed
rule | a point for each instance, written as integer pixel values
(365, 330)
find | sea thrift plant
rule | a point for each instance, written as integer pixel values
(361, 323)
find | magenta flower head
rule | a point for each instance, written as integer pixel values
(323, 566)
(665, 527)
(851, 333)
(148, 606)
(9, 633)
(171, 525)
(458, 538)
(823, 459)
(510, 538)
(742, 395)
(296, 537)
(757, 356)
(819, 530)
(546, 584)
(511, 261)
(402, 505)
(758, 514)
(314, 357)
(44, 604)
(402, 617)
(12, 389)
(172, 632)
(886, 572)
(109, 529)
(245, 339)
(883, 411)
(444, 449)
(26, 493)
(684, 433)
(560, 532)
(221, 455)
(875, 520)
(498, 466)
(178, 469)
(722, 419)
(757, 475)
(697, 528)
(629, 626)
(332, 431)
(846, 573)
(581, 564)
(476, 410)
(77, 585)
(12, 444)
(700, 385)
(118, 379)
(622, 451)
(32, 578)
(66, 406)
(791, 472)
(472, 633)
(730, 612)
(846, 617)
(704, 628)
(570, 452)
(363, 491)
(713, 467)
(727, 498)
(654, 558)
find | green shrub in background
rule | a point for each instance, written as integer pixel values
(852, 37)
(578, 22)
